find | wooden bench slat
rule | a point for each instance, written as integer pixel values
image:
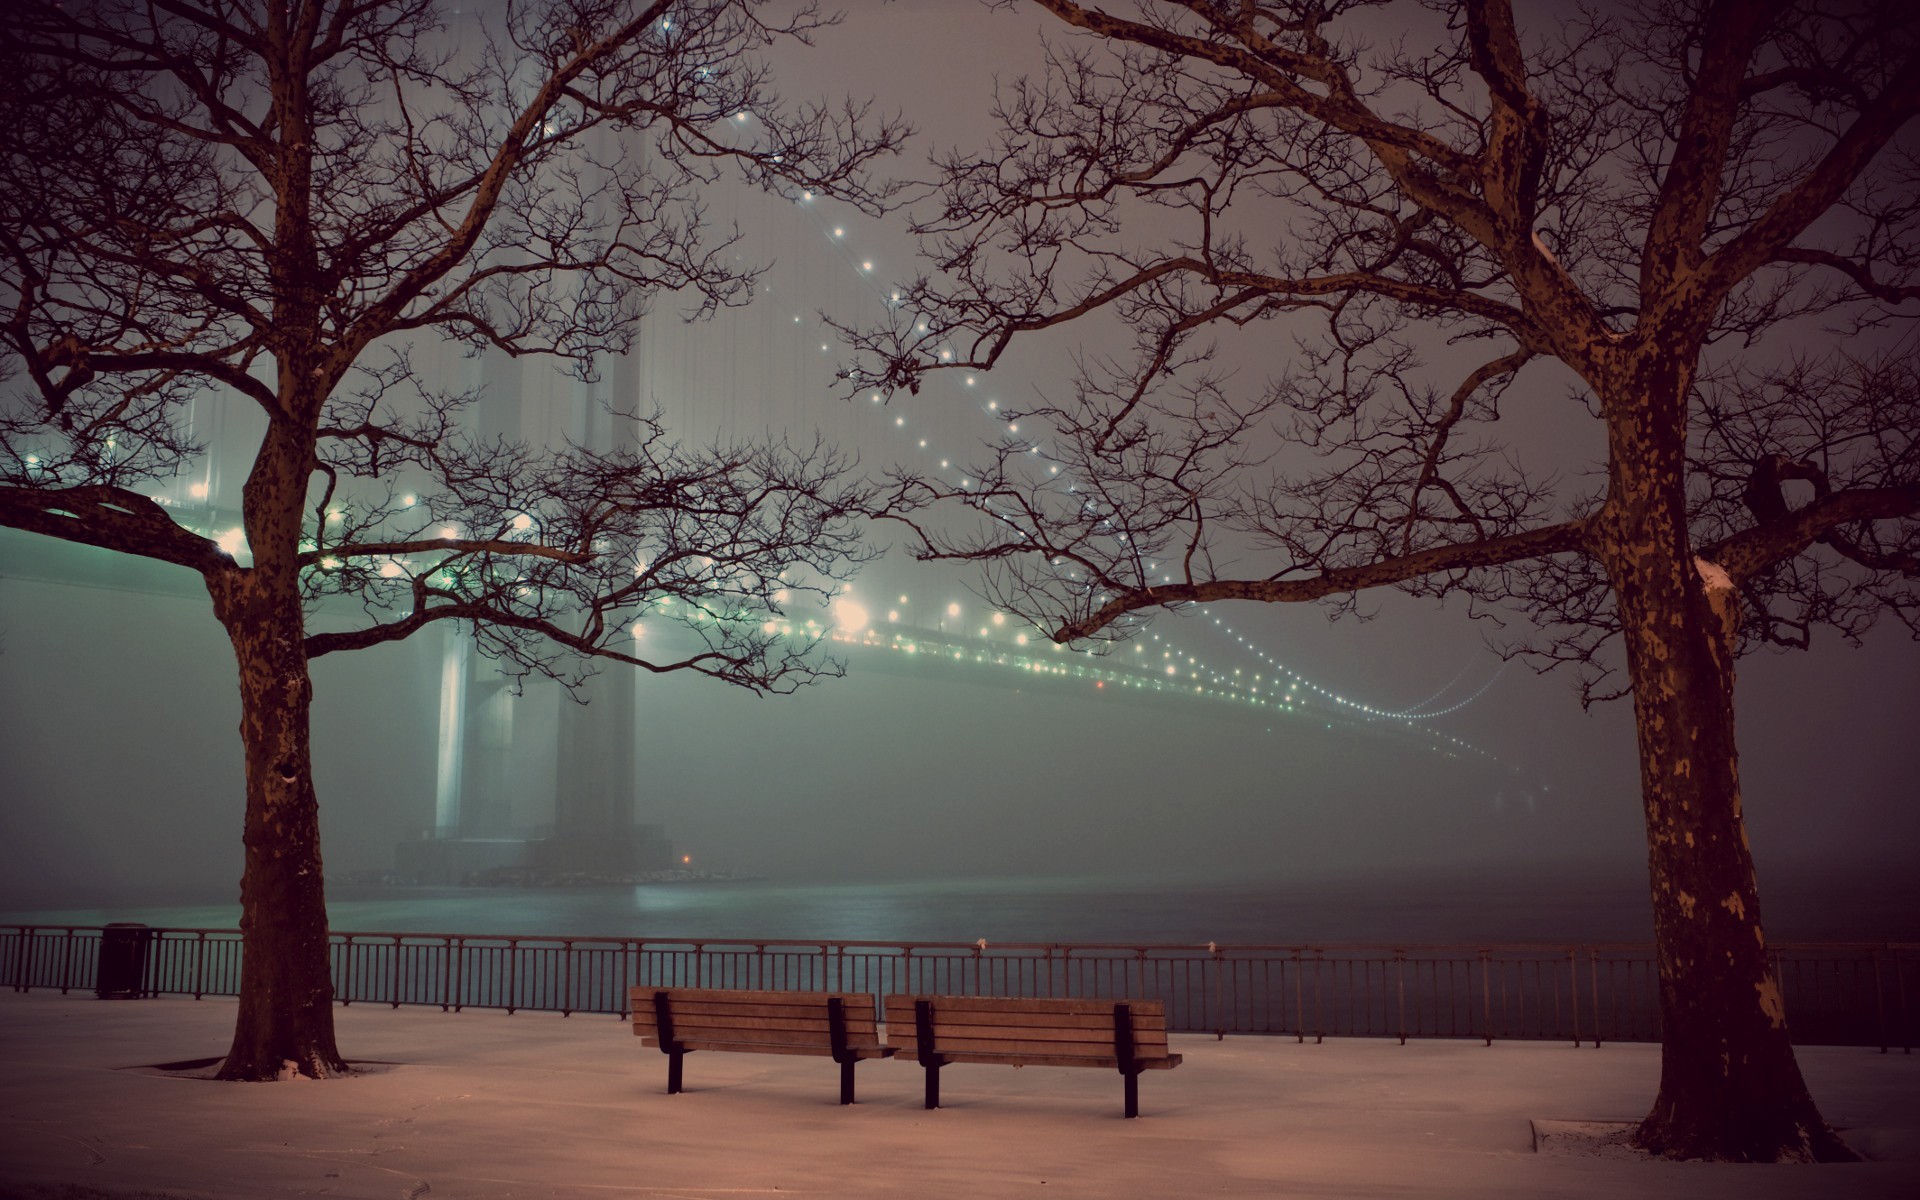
(965, 1025)
(1060, 1060)
(857, 1008)
(1043, 1005)
(806, 1044)
(770, 1047)
(819, 1041)
(1016, 1047)
(947, 1015)
(741, 996)
(1037, 1037)
(797, 1025)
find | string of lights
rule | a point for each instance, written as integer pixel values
(1274, 683)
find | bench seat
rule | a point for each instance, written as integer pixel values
(679, 1021)
(1129, 1036)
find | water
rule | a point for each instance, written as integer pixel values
(1555, 906)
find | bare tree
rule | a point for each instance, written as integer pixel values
(1699, 218)
(282, 201)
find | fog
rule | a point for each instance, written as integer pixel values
(123, 773)
(120, 768)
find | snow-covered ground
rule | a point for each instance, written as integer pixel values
(480, 1105)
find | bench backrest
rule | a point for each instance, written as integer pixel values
(1040, 1028)
(802, 1019)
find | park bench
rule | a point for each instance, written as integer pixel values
(1128, 1035)
(682, 1020)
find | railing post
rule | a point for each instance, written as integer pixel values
(566, 962)
(513, 974)
(446, 973)
(1299, 1001)
(1593, 981)
(66, 962)
(1879, 1001)
(1400, 983)
(1210, 969)
(199, 963)
(1573, 990)
(1900, 987)
(1486, 996)
(460, 974)
(393, 977)
(1319, 1009)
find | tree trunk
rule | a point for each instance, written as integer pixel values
(286, 989)
(1730, 1088)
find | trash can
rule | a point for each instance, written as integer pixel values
(122, 970)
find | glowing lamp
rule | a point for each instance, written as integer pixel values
(849, 616)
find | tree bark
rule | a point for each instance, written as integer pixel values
(286, 987)
(1730, 1087)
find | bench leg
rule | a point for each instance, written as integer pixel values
(933, 1086)
(1133, 1093)
(846, 1082)
(673, 1072)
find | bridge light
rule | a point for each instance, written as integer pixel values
(849, 616)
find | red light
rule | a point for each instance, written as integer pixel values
(1101, 684)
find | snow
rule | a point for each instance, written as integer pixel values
(1713, 575)
(485, 1106)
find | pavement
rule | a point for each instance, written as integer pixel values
(488, 1106)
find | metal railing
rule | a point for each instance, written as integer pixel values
(1861, 994)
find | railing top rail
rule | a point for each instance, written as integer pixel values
(1005, 948)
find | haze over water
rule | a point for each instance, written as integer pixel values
(1542, 905)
